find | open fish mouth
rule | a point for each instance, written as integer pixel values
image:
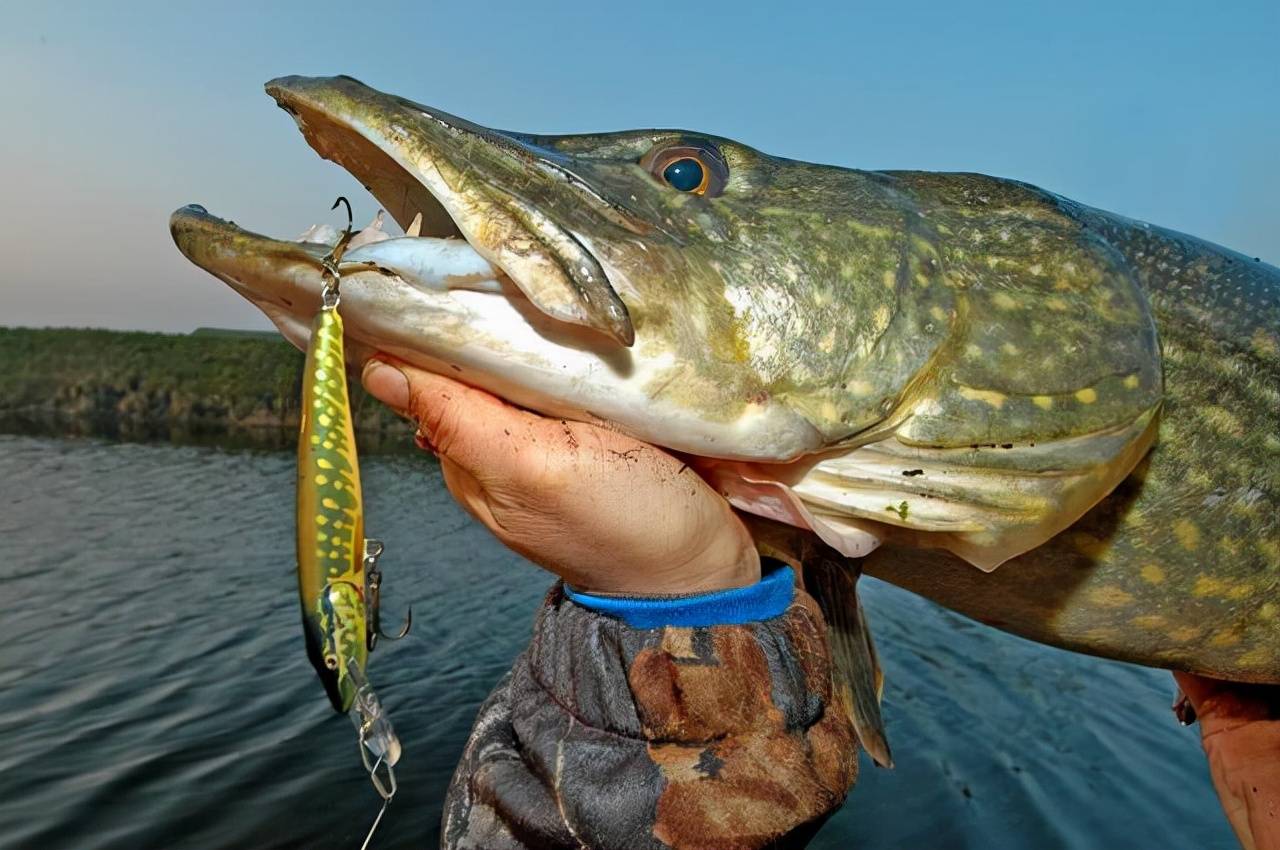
(434, 174)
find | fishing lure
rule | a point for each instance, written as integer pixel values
(339, 581)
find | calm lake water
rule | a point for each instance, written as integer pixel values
(154, 691)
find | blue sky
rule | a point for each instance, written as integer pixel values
(116, 114)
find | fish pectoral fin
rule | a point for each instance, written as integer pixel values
(986, 504)
(833, 582)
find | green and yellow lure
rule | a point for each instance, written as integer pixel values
(338, 576)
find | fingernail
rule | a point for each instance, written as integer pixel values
(387, 384)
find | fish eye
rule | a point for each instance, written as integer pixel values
(693, 167)
(685, 174)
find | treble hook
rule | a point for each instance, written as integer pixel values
(373, 597)
(342, 200)
(329, 262)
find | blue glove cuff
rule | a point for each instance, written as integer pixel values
(763, 600)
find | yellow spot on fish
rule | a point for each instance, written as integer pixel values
(315, 439)
(1088, 395)
(1088, 544)
(1223, 421)
(333, 554)
(1269, 611)
(336, 540)
(990, 397)
(1009, 348)
(972, 350)
(328, 444)
(1270, 550)
(938, 313)
(337, 485)
(323, 463)
(1043, 402)
(890, 279)
(322, 480)
(1056, 303)
(337, 523)
(321, 374)
(859, 388)
(1149, 621)
(1255, 657)
(882, 316)
(1243, 590)
(329, 503)
(1184, 634)
(325, 420)
(1004, 301)
(321, 519)
(1265, 344)
(1152, 574)
(1209, 586)
(1131, 382)
(1110, 597)
(1188, 534)
(320, 536)
(1225, 638)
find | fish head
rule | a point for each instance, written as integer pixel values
(683, 287)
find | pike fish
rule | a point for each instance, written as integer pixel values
(1050, 418)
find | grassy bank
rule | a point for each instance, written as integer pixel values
(209, 387)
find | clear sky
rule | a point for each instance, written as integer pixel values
(114, 114)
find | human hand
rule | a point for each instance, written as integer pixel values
(605, 512)
(1240, 731)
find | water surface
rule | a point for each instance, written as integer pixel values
(154, 691)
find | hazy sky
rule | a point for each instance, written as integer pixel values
(114, 114)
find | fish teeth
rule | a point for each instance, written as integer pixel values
(415, 227)
(320, 234)
(371, 233)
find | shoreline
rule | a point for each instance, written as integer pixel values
(212, 388)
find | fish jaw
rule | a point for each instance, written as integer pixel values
(483, 332)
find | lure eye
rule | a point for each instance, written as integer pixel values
(686, 174)
(693, 167)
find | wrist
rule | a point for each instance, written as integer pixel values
(708, 574)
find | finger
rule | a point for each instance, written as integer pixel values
(472, 428)
(1197, 689)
